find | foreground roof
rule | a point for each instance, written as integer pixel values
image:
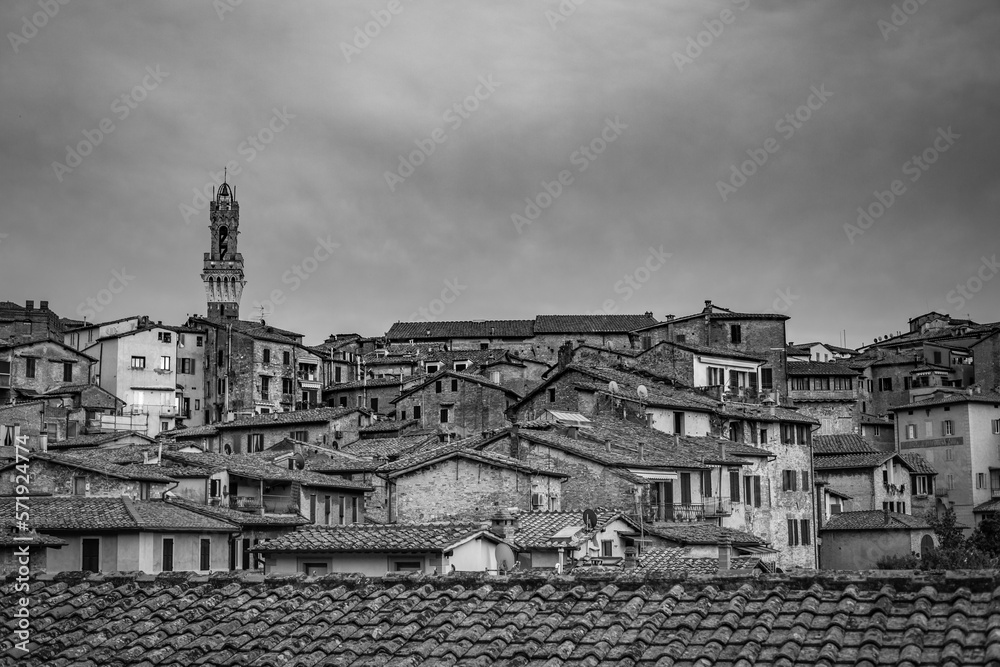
(89, 513)
(536, 530)
(876, 619)
(258, 467)
(315, 415)
(874, 520)
(842, 443)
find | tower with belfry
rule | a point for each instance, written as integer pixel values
(223, 269)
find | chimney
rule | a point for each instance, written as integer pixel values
(886, 512)
(668, 318)
(642, 451)
(677, 440)
(573, 432)
(44, 305)
(708, 305)
(565, 354)
(648, 313)
(725, 553)
(29, 305)
(629, 562)
(504, 524)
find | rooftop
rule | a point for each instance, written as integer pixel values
(363, 537)
(257, 467)
(821, 619)
(874, 520)
(89, 513)
(536, 530)
(951, 398)
(701, 533)
(314, 415)
(811, 368)
(842, 443)
(844, 461)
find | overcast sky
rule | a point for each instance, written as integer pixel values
(667, 97)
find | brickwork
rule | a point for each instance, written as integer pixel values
(670, 361)
(834, 416)
(986, 362)
(465, 489)
(60, 480)
(472, 407)
(48, 359)
(316, 433)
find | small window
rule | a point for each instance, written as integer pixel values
(980, 480)
(454, 385)
(29, 369)
(79, 486)
(437, 387)
(736, 333)
(163, 336)
(444, 415)
(168, 554)
(416, 412)
(607, 548)
(433, 368)
(949, 454)
(286, 358)
(138, 362)
(91, 552)
(198, 342)
(164, 363)
(255, 442)
(67, 371)
(408, 566)
(996, 426)
(267, 356)
(206, 554)
(804, 530)
(680, 338)
(215, 488)
(286, 386)
(947, 427)
(343, 401)
(552, 394)
(374, 403)
(315, 569)
(885, 384)
(484, 346)
(300, 435)
(911, 431)
(461, 366)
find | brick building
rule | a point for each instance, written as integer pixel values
(458, 404)
(828, 392)
(26, 322)
(331, 427)
(86, 475)
(34, 366)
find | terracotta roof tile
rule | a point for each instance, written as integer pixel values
(556, 324)
(535, 530)
(257, 467)
(844, 443)
(390, 448)
(812, 368)
(675, 560)
(919, 464)
(314, 415)
(465, 329)
(372, 537)
(700, 533)
(845, 461)
(874, 520)
(875, 619)
(75, 513)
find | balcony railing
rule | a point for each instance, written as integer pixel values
(271, 504)
(995, 493)
(718, 506)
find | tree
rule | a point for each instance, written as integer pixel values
(986, 536)
(948, 533)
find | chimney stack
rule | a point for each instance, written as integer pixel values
(29, 304)
(708, 305)
(886, 512)
(504, 524)
(677, 440)
(725, 553)
(44, 305)
(642, 451)
(565, 354)
(630, 561)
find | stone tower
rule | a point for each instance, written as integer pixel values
(223, 271)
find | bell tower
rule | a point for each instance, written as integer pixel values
(223, 269)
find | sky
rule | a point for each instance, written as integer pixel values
(400, 160)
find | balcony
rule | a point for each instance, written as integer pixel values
(678, 512)
(995, 493)
(822, 395)
(718, 507)
(270, 504)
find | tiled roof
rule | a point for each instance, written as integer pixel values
(720, 313)
(556, 324)
(805, 619)
(146, 473)
(339, 462)
(988, 507)
(842, 443)
(855, 460)
(191, 432)
(82, 513)
(536, 529)
(875, 420)
(676, 560)
(874, 520)
(919, 464)
(314, 415)
(254, 330)
(951, 399)
(388, 426)
(466, 329)
(9, 537)
(370, 383)
(478, 379)
(389, 448)
(763, 413)
(461, 448)
(812, 368)
(241, 518)
(97, 439)
(255, 467)
(661, 394)
(373, 537)
(700, 533)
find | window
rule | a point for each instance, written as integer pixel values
(416, 412)
(168, 554)
(686, 488)
(885, 384)
(766, 378)
(805, 480)
(255, 442)
(716, 376)
(804, 530)
(606, 548)
(734, 486)
(374, 403)
(246, 553)
(29, 369)
(793, 533)
(949, 454)
(788, 480)
(163, 336)
(139, 362)
(408, 565)
(680, 338)
(751, 490)
(980, 480)
(920, 484)
(444, 415)
(91, 549)
(800, 384)
(552, 394)
(996, 426)
(215, 488)
(301, 436)
(286, 358)
(336, 374)
(821, 383)
(461, 366)
(315, 569)
(343, 401)
(937, 356)
(286, 386)
(433, 368)
(187, 366)
(437, 387)
(354, 510)
(454, 385)
(911, 431)
(763, 436)
(267, 355)
(206, 554)
(735, 333)
(164, 363)
(947, 427)
(144, 488)
(679, 423)
(342, 513)
(907, 383)
(265, 387)
(484, 346)
(706, 484)
(198, 342)
(79, 486)
(951, 481)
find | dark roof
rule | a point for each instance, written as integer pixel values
(807, 618)
(811, 368)
(12, 538)
(988, 507)
(719, 313)
(253, 329)
(675, 560)
(536, 529)
(389, 447)
(557, 324)
(206, 430)
(388, 426)
(146, 473)
(315, 415)
(464, 448)
(874, 520)
(242, 519)
(257, 467)
(763, 413)
(43, 338)
(700, 533)
(875, 420)
(465, 329)
(477, 379)
(362, 537)
(919, 464)
(705, 350)
(842, 443)
(83, 513)
(847, 461)
(366, 383)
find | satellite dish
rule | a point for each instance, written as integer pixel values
(505, 558)
(300, 461)
(642, 391)
(590, 519)
(613, 387)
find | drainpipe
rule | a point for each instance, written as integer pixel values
(229, 366)
(815, 508)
